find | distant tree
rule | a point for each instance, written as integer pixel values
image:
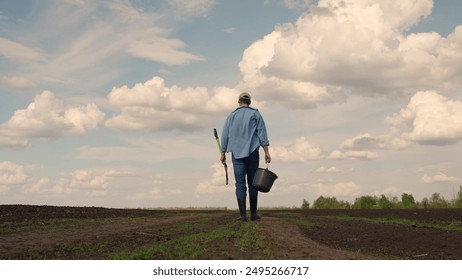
(437, 201)
(407, 200)
(323, 202)
(458, 200)
(305, 204)
(345, 204)
(365, 202)
(395, 201)
(330, 203)
(425, 203)
(384, 203)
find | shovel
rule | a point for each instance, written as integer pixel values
(219, 149)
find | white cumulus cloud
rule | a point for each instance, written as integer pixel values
(437, 178)
(48, 118)
(432, 118)
(12, 174)
(336, 189)
(300, 151)
(325, 169)
(80, 182)
(153, 106)
(217, 182)
(352, 47)
(352, 154)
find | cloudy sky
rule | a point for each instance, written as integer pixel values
(113, 103)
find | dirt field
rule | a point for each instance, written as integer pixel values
(47, 232)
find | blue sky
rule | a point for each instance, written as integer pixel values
(113, 103)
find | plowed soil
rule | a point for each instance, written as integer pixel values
(48, 232)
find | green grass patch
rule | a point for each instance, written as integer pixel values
(285, 214)
(294, 218)
(250, 238)
(84, 249)
(245, 236)
(186, 227)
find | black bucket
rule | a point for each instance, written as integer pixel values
(264, 179)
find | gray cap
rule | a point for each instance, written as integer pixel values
(245, 95)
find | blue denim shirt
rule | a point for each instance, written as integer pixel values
(244, 131)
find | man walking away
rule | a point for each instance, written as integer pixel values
(243, 134)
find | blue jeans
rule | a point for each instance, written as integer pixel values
(242, 167)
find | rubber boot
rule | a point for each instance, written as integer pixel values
(241, 204)
(253, 209)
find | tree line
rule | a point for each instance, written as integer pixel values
(383, 202)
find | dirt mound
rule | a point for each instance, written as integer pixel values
(290, 243)
(393, 233)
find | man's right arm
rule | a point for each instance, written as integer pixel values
(267, 154)
(224, 141)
